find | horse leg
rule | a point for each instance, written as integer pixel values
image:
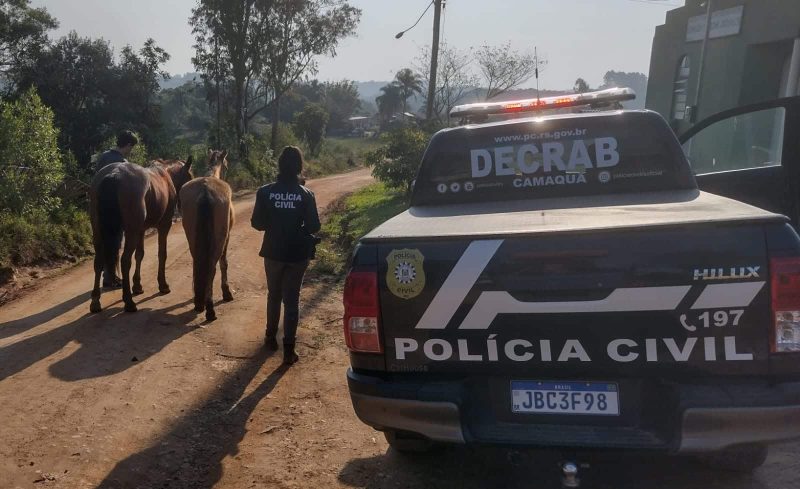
(131, 243)
(137, 274)
(163, 234)
(211, 315)
(95, 306)
(223, 268)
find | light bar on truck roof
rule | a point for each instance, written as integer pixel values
(600, 97)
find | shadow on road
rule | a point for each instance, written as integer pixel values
(478, 468)
(110, 342)
(190, 455)
(16, 326)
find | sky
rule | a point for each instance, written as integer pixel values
(579, 38)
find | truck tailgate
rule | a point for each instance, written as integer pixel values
(671, 301)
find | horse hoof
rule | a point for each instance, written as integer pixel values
(211, 317)
(138, 290)
(227, 296)
(164, 290)
(95, 307)
(130, 307)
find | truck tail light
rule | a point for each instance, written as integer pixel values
(362, 312)
(785, 273)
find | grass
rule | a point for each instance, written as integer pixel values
(349, 219)
(38, 239)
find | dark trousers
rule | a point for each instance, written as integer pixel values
(284, 280)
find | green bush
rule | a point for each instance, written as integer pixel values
(349, 219)
(286, 136)
(40, 237)
(31, 166)
(309, 125)
(397, 161)
(259, 167)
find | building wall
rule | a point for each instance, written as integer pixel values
(739, 69)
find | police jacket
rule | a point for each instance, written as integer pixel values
(287, 211)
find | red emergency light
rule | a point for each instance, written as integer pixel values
(601, 97)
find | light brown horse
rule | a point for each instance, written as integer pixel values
(207, 209)
(127, 198)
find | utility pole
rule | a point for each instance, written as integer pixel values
(437, 17)
(536, 60)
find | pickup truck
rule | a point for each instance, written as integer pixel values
(560, 281)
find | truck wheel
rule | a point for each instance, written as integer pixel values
(742, 458)
(407, 442)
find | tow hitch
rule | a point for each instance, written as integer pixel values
(569, 474)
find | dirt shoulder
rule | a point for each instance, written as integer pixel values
(158, 398)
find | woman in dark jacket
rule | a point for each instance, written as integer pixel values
(287, 211)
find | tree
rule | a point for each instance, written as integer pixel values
(23, 33)
(503, 68)
(409, 83)
(309, 125)
(298, 32)
(581, 86)
(455, 79)
(634, 80)
(396, 162)
(92, 95)
(231, 40)
(389, 102)
(341, 101)
(32, 166)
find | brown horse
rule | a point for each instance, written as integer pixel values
(207, 209)
(127, 198)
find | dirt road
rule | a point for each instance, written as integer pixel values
(158, 399)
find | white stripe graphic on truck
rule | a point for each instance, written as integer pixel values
(728, 295)
(458, 284)
(491, 303)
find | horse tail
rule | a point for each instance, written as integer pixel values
(204, 239)
(109, 218)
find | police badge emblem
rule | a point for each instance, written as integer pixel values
(405, 276)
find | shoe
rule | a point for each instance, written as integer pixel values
(271, 344)
(289, 356)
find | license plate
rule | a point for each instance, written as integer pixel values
(589, 398)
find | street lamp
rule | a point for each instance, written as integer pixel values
(400, 34)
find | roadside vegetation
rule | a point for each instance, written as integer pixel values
(63, 100)
(349, 219)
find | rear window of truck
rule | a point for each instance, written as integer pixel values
(619, 152)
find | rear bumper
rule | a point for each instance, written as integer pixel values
(438, 412)
(706, 429)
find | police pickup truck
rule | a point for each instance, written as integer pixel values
(561, 281)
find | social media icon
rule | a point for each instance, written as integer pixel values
(455, 187)
(442, 188)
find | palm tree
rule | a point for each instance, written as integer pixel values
(409, 83)
(390, 102)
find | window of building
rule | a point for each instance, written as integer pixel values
(680, 89)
